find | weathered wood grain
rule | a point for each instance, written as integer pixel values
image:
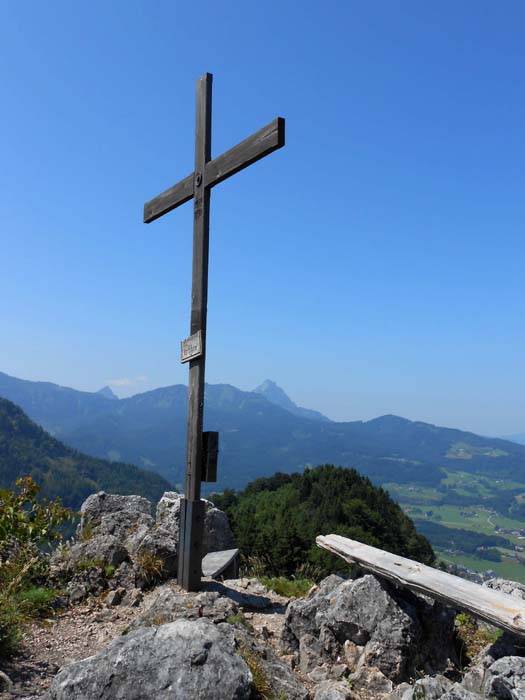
(169, 199)
(498, 608)
(214, 563)
(257, 146)
(189, 571)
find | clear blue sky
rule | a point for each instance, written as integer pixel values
(374, 265)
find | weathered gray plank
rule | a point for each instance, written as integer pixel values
(169, 199)
(214, 563)
(252, 149)
(498, 608)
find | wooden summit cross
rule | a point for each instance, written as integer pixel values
(201, 448)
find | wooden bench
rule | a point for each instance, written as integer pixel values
(500, 609)
(215, 563)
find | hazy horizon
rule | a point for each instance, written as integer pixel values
(123, 390)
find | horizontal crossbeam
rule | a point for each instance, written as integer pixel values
(169, 199)
(252, 149)
(500, 609)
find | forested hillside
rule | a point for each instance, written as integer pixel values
(257, 437)
(27, 450)
(277, 519)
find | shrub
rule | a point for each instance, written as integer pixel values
(26, 523)
(24, 518)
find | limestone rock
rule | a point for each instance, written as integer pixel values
(372, 680)
(168, 511)
(429, 688)
(282, 681)
(457, 692)
(509, 587)
(172, 604)
(505, 679)
(102, 549)
(125, 525)
(333, 690)
(310, 653)
(101, 503)
(160, 544)
(217, 534)
(186, 659)
(473, 679)
(400, 633)
(115, 597)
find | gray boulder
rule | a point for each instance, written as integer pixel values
(168, 510)
(182, 659)
(393, 632)
(279, 678)
(172, 604)
(429, 688)
(457, 692)
(157, 543)
(128, 526)
(333, 690)
(509, 587)
(99, 550)
(102, 503)
(505, 679)
(217, 534)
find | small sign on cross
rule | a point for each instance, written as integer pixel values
(191, 348)
(201, 452)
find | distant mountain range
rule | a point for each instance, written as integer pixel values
(28, 450)
(257, 436)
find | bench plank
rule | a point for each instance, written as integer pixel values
(500, 609)
(214, 563)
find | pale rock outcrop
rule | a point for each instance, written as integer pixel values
(505, 679)
(186, 659)
(217, 535)
(386, 635)
(100, 504)
(119, 532)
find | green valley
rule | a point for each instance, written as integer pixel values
(472, 520)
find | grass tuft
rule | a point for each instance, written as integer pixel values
(262, 689)
(152, 567)
(290, 588)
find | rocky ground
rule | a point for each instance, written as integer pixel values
(119, 635)
(87, 628)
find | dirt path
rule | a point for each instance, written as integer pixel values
(84, 630)
(70, 636)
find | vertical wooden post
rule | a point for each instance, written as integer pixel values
(207, 174)
(192, 508)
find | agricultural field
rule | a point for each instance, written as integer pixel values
(471, 520)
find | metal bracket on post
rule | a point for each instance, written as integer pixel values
(210, 452)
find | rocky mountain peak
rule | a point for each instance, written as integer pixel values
(107, 392)
(276, 395)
